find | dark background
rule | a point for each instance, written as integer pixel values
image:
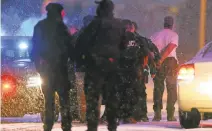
(148, 14)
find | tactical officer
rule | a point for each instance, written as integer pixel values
(132, 65)
(149, 62)
(98, 46)
(51, 44)
(81, 62)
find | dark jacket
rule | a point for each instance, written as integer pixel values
(152, 48)
(133, 52)
(148, 44)
(101, 37)
(51, 42)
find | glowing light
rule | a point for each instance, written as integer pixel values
(34, 81)
(186, 74)
(21, 64)
(2, 33)
(6, 86)
(23, 45)
(174, 10)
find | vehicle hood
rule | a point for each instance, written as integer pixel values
(20, 68)
(199, 59)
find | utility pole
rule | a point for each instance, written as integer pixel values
(202, 23)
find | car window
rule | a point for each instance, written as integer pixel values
(10, 50)
(208, 51)
(204, 50)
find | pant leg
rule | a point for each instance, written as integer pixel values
(123, 83)
(49, 101)
(143, 100)
(171, 83)
(112, 101)
(95, 82)
(63, 90)
(65, 110)
(125, 101)
(159, 88)
(140, 107)
(86, 82)
(142, 78)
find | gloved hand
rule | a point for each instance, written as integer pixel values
(111, 60)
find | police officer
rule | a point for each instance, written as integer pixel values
(98, 45)
(167, 41)
(148, 44)
(140, 109)
(51, 44)
(80, 65)
(132, 65)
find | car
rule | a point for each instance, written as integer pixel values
(194, 81)
(20, 83)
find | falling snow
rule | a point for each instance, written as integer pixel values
(19, 17)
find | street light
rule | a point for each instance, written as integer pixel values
(202, 23)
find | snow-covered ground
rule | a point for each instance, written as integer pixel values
(33, 123)
(160, 126)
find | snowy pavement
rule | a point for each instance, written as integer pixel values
(159, 126)
(33, 123)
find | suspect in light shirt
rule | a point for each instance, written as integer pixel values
(164, 37)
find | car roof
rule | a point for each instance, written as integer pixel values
(15, 37)
(11, 41)
(199, 57)
(201, 51)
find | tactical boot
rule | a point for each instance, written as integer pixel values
(66, 129)
(101, 121)
(124, 121)
(92, 129)
(170, 115)
(47, 128)
(157, 116)
(145, 119)
(132, 121)
(112, 129)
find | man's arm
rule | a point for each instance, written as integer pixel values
(171, 46)
(167, 51)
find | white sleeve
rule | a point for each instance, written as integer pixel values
(174, 39)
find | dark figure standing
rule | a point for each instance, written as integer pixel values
(98, 47)
(167, 41)
(51, 44)
(132, 64)
(149, 62)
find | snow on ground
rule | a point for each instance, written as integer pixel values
(134, 127)
(32, 123)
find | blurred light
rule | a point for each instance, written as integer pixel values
(174, 10)
(21, 64)
(23, 45)
(35, 81)
(186, 73)
(2, 33)
(6, 86)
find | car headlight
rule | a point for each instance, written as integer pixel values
(34, 81)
